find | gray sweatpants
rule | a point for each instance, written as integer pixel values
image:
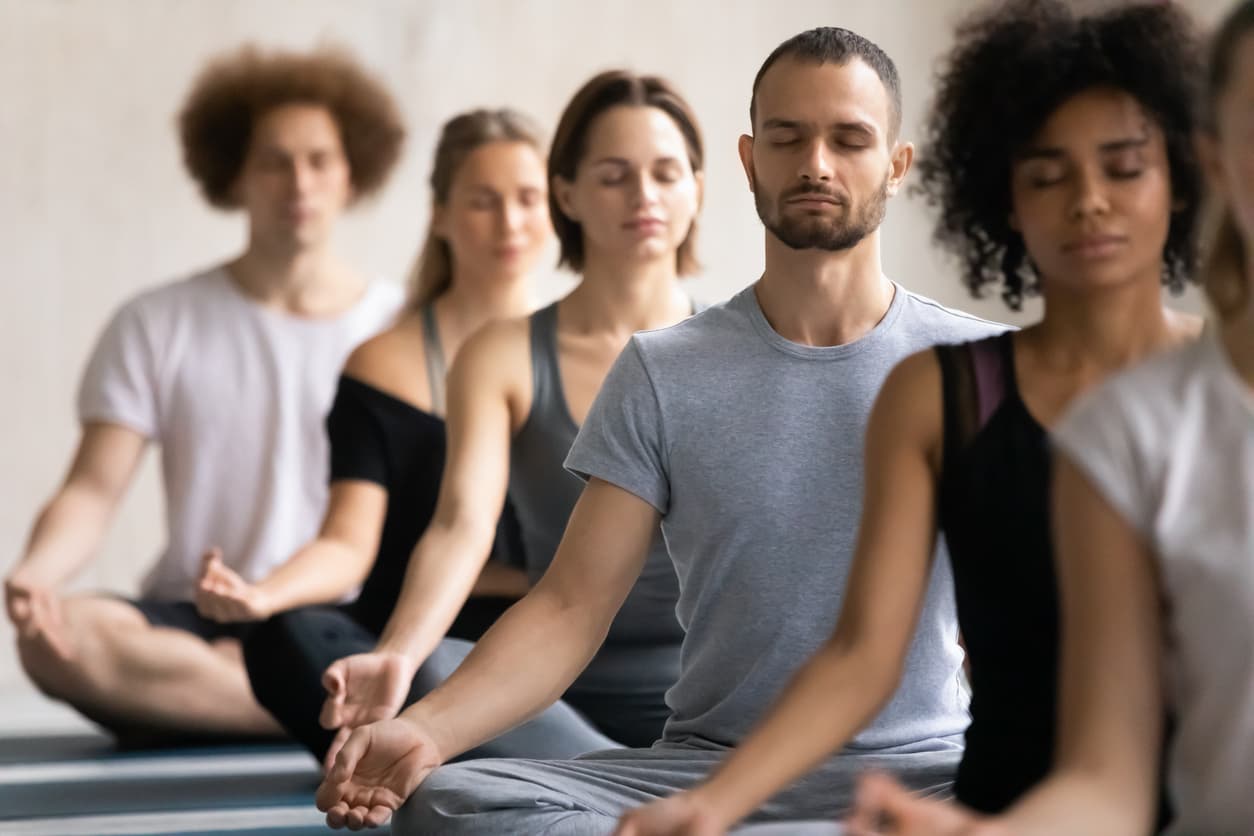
(586, 795)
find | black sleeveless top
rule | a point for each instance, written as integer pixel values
(993, 505)
(382, 439)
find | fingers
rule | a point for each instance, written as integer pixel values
(378, 815)
(337, 816)
(209, 560)
(46, 625)
(869, 815)
(346, 759)
(333, 682)
(334, 749)
(18, 604)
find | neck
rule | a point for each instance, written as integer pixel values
(306, 281)
(1107, 329)
(624, 298)
(473, 301)
(821, 298)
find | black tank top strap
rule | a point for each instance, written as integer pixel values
(975, 379)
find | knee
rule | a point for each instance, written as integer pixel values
(45, 669)
(442, 799)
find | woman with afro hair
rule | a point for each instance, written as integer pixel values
(230, 372)
(1060, 158)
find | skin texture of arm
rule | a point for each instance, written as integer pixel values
(483, 387)
(846, 683)
(1111, 702)
(539, 647)
(71, 526)
(1104, 779)
(320, 572)
(448, 558)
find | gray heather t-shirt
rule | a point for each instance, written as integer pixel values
(751, 447)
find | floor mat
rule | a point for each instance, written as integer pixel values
(81, 784)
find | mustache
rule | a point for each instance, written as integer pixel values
(814, 189)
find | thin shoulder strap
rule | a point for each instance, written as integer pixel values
(990, 363)
(434, 352)
(543, 355)
(973, 385)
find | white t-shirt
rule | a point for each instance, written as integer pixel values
(236, 395)
(1170, 444)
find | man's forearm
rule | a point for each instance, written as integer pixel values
(66, 534)
(519, 668)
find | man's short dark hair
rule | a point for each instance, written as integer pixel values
(833, 45)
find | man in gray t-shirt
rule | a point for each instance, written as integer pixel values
(741, 430)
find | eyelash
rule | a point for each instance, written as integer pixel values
(1114, 174)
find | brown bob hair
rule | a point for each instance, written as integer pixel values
(605, 91)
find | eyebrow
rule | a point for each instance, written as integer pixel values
(792, 124)
(1106, 148)
(624, 162)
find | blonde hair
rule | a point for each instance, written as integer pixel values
(1226, 268)
(432, 273)
(1225, 271)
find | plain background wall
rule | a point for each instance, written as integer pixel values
(94, 203)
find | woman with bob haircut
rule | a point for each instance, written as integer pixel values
(625, 186)
(1082, 185)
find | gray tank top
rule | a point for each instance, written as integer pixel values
(544, 494)
(434, 351)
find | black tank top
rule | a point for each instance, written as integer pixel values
(379, 438)
(993, 509)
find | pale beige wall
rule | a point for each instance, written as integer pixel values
(94, 204)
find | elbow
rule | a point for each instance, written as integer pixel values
(876, 670)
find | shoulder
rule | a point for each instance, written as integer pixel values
(171, 295)
(382, 298)
(1141, 409)
(943, 324)
(393, 361)
(495, 358)
(1156, 391)
(701, 334)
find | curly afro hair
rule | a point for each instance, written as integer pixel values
(236, 89)
(1013, 65)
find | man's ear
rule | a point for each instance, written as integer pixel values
(900, 161)
(744, 147)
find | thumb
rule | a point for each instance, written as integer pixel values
(337, 743)
(209, 559)
(356, 745)
(335, 686)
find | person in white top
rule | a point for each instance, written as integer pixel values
(230, 373)
(1154, 531)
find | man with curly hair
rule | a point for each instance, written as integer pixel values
(230, 372)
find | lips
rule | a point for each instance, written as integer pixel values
(1095, 246)
(645, 224)
(814, 198)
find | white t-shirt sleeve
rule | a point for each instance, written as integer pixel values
(1100, 437)
(119, 385)
(621, 441)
